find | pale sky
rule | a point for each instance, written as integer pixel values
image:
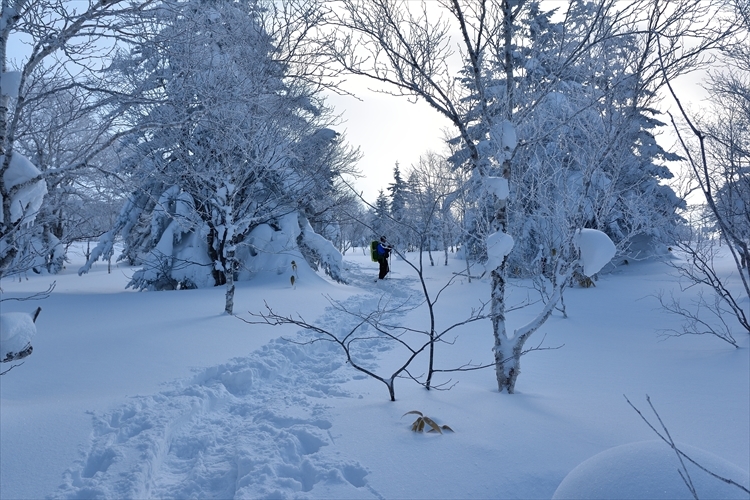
(387, 129)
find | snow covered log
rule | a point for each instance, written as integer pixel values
(17, 330)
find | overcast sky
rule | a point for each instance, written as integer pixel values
(387, 129)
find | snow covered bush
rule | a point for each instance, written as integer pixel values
(319, 251)
(22, 191)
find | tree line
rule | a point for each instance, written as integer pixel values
(196, 134)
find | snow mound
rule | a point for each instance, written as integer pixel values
(596, 250)
(27, 200)
(17, 329)
(498, 186)
(499, 245)
(648, 470)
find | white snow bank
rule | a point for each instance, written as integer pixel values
(499, 245)
(596, 250)
(17, 329)
(28, 199)
(648, 470)
(320, 251)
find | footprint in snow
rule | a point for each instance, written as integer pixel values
(254, 427)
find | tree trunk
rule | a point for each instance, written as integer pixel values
(229, 307)
(230, 264)
(508, 352)
(4, 99)
(215, 249)
(505, 372)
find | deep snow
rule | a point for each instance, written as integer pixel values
(159, 394)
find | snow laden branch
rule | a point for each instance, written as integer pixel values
(22, 192)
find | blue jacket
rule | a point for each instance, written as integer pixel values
(383, 250)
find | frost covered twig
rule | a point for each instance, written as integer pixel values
(695, 324)
(36, 296)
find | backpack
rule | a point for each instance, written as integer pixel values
(374, 251)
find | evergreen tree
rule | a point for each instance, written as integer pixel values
(399, 196)
(381, 216)
(590, 157)
(245, 164)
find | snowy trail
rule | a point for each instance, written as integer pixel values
(254, 427)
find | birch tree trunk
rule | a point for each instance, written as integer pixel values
(230, 264)
(506, 373)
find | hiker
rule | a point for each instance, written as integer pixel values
(384, 251)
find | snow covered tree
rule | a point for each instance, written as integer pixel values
(717, 156)
(55, 130)
(727, 178)
(243, 162)
(398, 193)
(380, 216)
(409, 48)
(65, 46)
(587, 114)
(433, 188)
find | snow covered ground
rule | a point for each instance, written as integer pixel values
(159, 394)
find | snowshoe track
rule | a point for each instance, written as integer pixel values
(254, 427)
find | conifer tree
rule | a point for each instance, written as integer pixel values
(398, 201)
(381, 216)
(244, 162)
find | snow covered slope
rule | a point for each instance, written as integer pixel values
(159, 394)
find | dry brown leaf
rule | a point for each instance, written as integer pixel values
(432, 424)
(419, 423)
